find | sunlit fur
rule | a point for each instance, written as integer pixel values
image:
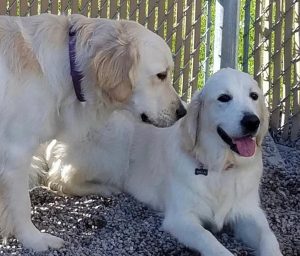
(119, 61)
(157, 166)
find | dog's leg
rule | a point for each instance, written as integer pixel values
(15, 215)
(254, 230)
(87, 188)
(70, 181)
(188, 230)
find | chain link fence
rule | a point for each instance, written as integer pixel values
(268, 45)
(273, 27)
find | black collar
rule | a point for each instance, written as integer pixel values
(76, 74)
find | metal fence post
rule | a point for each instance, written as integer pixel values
(218, 36)
(230, 31)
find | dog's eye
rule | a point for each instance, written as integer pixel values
(162, 75)
(225, 98)
(253, 95)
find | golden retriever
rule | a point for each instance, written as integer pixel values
(61, 77)
(204, 171)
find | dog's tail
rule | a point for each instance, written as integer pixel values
(45, 169)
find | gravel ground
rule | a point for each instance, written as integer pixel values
(122, 226)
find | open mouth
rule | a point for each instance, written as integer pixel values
(244, 146)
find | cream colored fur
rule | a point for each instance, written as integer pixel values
(119, 60)
(157, 166)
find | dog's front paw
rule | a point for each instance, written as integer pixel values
(273, 252)
(227, 253)
(221, 251)
(39, 241)
(270, 249)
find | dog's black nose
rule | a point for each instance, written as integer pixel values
(250, 123)
(181, 111)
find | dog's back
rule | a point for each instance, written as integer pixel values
(21, 47)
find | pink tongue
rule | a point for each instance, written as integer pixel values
(245, 146)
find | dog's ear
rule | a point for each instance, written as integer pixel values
(115, 63)
(190, 125)
(264, 120)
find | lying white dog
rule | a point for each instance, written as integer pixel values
(113, 65)
(203, 171)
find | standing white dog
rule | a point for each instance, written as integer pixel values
(113, 65)
(203, 171)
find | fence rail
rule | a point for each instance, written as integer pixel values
(269, 44)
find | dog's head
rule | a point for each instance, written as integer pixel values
(231, 110)
(132, 66)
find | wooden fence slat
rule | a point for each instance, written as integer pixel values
(197, 40)
(295, 131)
(178, 43)
(33, 7)
(44, 6)
(54, 6)
(275, 116)
(187, 50)
(123, 9)
(94, 8)
(227, 56)
(3, 7)
(170, 23)
(151, 14)
(161, 18)
(142, 12)
(257, 41)
(103, 8)
(133, 10)
(288, 27)
(23, 7)
(64, 6)
(85, 7)
(113, 9)
(246, 38)
(12, 7)
(74, 6)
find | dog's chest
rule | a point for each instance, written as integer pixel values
(218, 194)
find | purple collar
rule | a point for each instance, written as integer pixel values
(76, 74)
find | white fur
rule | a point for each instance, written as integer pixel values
(119, 61)
(157, 166)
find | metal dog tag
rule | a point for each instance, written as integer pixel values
(201, 171)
